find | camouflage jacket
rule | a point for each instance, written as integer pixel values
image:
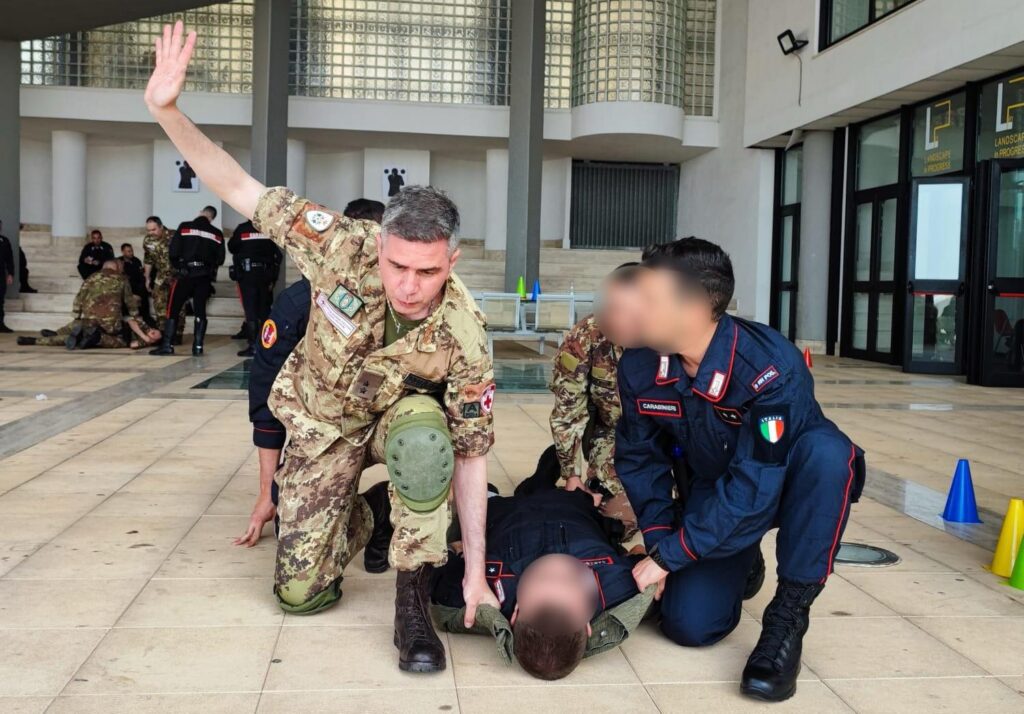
(583, 381)
(340, 378)
(156, 254)
(102, 299)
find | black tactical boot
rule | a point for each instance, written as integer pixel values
(73, 338)
(773, 666)
(375, 555)
(90, 339)
(26, 340)
(4, 328)
(165, 347)
(243, 332)
(419, 649)
(250, 349)
(198, 336)
(755, 578)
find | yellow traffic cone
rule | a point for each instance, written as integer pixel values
(1009, 539)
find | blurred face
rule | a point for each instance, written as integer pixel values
(670, 314)
(128, 252)
(96, 238)
(413, 273)
(152, 227)
(619, 313)
(153, 335)
(557, 580)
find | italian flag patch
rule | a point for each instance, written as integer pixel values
(772, 428)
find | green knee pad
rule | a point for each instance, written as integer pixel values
(420, 457)
(296, 600)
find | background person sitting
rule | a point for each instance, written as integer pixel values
(136, 275)
(94, 254)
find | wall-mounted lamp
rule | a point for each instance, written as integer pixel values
(789, 44)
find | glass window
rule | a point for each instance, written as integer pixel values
(862, 258)
(860, 321)
(939, 223)
(786, 273)
(848, 16)
(887, 241)
(878, 153)
(792, 176)
(883, 326)
(1010, 241)
(934, 336)
(1001, 119)
(939, 137)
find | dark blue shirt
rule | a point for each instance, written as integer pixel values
(285, 327)
(729, 427)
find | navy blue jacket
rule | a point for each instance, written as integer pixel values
(278, 337)
(730, 427)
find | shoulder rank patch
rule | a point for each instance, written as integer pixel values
(471, 410)
(345, 301)
(662, 377)
(319, 220)
(766, 377)
(268, 335)
(717, 383)
(730, 416)
(415, 381)
(659, 407)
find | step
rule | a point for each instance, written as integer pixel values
(63, 303)
(31, 322)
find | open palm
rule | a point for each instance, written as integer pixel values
(172, 58)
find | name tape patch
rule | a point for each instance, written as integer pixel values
(659, 407)
(765, 378)
(335, 316)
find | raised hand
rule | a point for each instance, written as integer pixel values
(172, 58)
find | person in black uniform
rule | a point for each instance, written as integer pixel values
(256, 261)
(6, 275)
(732, 402)
(196, 251)
(136, 275)
(94, 254)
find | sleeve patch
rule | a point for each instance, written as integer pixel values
(568, 362)
(771, 433)
(766, 377)
(471, 410)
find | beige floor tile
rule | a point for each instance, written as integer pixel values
(929, 696)
(725, 698)
(934, 594)
(557, 697)
(38, 528)
(879, 647)
(154, 504)
(21, 502)
(56, 603)
(184, 659)
(156, 704)
(910, 561)
(204, 603)
(24, 705)
(310, 658)
(13, 554)
(476, 663)
(40, 662)
(993, 643)
(365, 601)
(957, 554)
(1016, 683)
(840, 598)
(381, 701)
(208, 552)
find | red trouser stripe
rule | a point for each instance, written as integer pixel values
(839, 526)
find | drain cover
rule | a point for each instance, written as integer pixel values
(865, 555)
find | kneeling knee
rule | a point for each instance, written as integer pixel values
(298, 598)
(688, 632)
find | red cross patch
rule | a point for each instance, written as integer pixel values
(487, 398)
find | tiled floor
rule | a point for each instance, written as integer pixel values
(120, 590)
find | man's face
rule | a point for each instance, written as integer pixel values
(95, 238)
(668, 312)
(413, 273)
(152, 227)
(128, 252)
(619, 314)
(559, 581)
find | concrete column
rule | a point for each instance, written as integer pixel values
(496, 205)
(270, 91)
(67, 153)
(296, 161)
(10, 148)
(815, 211)
(525, 142)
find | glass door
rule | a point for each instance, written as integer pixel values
(936, 264)
(871, 271)
(1002, 344)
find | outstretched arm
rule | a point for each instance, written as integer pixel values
(212, 164)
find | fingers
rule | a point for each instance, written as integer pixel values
(179, 28)
(167, 42)
(190, 44)
(470, 614)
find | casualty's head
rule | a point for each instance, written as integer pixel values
(154, 224)
(618, 306)
(95, 237)
(365, 209)
(112, 266)
(417, 248)
(685, 289)
(555, 599)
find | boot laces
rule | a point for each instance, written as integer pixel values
(782, 620)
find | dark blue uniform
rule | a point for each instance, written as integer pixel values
(748, 448)
(521, 529)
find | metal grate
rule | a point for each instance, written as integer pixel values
(621, 205)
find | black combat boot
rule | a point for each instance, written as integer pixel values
(26, 340)
(773, 666)
(165, 347)
(198, 336)
(375, 555)
(250, 349)
(755, 578)
(74, 337)
(419, 649)
(3, 327)
(90, 339)
(243, 332)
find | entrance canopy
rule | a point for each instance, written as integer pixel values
(42, 18)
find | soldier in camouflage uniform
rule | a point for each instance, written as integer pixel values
(159, 272)
(583, 380)
(99, 313)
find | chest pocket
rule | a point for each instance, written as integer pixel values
(329, 350)
(529, 541)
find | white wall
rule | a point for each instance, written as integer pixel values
(174, 207)
(333, 179)
(923, 39)
(465, 181)
(35, 181)
(119, 184)
(375, 161)
(230, 217)
(554, 179)
(726, 195)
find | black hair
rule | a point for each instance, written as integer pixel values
(126, 245)
(696, 262)
(155, 219)
(365, 209)
(211, 210)
(625, 273)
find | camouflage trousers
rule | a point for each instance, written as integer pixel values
(324, 522)
(108, 338)
(601, 467)
(161, 293)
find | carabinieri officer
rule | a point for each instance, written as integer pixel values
(733, 402)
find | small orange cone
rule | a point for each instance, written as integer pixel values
(1009, 539)
(807, 357)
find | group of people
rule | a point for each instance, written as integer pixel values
(7, 271)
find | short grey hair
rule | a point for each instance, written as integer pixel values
(424, 214)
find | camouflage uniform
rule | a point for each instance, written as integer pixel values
(583, 380)
(156, 254)
(100, 303)
(341, 389)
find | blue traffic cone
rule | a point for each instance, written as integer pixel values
(960, 505)
(536, 290)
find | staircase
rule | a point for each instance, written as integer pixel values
(52, 271)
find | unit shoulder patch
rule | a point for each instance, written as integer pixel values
(769, 375)
(268, 335)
